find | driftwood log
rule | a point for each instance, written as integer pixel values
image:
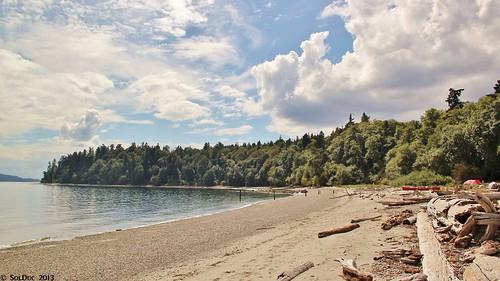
(366, 219)
(351, 272)
(488, 207)
(482, 268)
(486, 218)
(434, 262)
(399, 203)
(342, 229)
(411, 220)
(408, 256)
(489, 248)
(396, 219)
(289, 275)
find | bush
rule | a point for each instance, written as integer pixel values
(346, 175)
(463, 172)
(423, 177)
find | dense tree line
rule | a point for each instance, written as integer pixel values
(461, 142)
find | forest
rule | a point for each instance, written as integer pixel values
(443, 147)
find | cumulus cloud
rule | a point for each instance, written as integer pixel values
(212, 50)
(236, 103)
(33, 97)
(242, 130)
(406, 54)
(170, 96)
(83, 130)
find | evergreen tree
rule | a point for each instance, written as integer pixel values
(440, 145)
(497, 87)
(365, 118)
(453, 99)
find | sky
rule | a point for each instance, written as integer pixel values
(75, 74)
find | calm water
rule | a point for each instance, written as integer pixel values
(32, 210)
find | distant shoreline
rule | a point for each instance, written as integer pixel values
(260, 189)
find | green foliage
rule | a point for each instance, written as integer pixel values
(371, 151)
(423, 177)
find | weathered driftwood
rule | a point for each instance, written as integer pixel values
(397, 252)
(351, 272)
(437, 207)
(488, 207)
(467, 228)
(443, 229)
(491, 195)
(366, 219)
(421, 199)
(452, 212)
(399, 203)
(342, 229)
(486, 218)
(489, 248)
(396, 219)
(289, 275)
(463, 241)
(434, 263)
(411, 220)
(483, 268)
(444, 237)
(408, 256)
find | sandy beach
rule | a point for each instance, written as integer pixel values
(252, 243)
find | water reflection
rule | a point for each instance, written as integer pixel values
(31, 210)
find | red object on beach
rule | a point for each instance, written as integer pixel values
(421, 188)
(473, 182)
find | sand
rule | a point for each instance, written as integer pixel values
(252, 243)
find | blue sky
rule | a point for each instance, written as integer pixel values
(75, 74)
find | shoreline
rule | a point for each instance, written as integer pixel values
(257, 189)
(150, 248)
(47, 239)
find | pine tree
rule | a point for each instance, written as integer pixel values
(453, 99)
(350, 122)
(365, 118)
(497, 87)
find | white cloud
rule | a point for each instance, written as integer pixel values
(33, 97)
(150, 18)
(170, 96)
(242, 130)
(206, 121)
(83, 130)
(230, 92)
(212, 50)
(76, 48)
(406, 54)
(109, 116)
(337, 7)
(175, 15)
(251, 32)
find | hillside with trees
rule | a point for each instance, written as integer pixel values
(444, 145)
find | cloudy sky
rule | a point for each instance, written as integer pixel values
(80, 73)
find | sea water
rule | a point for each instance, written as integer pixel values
(34, 212)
